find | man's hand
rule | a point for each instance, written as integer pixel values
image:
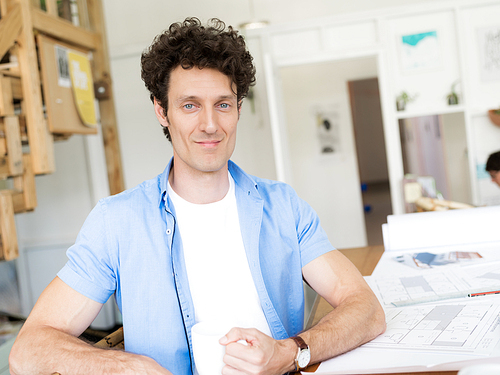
(357, 318)
(262, 355)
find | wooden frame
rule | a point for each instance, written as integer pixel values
(8, 234)
(21, 90)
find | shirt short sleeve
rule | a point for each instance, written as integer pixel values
(313, 240)
(89, 269)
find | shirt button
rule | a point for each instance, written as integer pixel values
(169, 231)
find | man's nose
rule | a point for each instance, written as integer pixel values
(208, 121)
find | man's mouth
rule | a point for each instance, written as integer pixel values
(208, 143)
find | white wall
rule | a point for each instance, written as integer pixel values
(132, 24)
(483, 94)
(328, 182)
(64, 199)
(145, 150)
(430, 85)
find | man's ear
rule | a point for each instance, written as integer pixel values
(239, 107)
(159, 111)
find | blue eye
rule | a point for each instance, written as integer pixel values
(188, 106)
(224, 105)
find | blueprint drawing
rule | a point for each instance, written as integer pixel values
(472, 328)
(435, 285)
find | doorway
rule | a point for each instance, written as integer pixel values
(436, 146)
(322, 147)
(323, 156)
(368, 130)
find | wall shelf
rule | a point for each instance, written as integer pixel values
(430, 112)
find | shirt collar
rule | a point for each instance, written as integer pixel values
(164, 180)
(241, 179)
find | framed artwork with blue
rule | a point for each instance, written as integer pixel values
(420, 52)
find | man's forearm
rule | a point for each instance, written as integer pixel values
(357, 320)
(354, 322)
(45, 350)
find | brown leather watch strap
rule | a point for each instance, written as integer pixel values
(300, 343)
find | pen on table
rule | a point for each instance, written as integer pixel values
(434, 298)
(483, 293)
(443, 297)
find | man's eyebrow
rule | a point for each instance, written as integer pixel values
(194, 97)
(227, 97)
(186, 97)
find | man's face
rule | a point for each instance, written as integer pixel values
(495, 177)
(201, 117)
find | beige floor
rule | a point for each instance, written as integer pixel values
(377, 198)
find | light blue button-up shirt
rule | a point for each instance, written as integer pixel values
(130, 246)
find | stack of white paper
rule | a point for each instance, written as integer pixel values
(435, 319)
(442, 228)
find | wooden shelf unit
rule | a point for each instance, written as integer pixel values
(23, 120)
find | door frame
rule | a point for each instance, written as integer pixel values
(272, 65)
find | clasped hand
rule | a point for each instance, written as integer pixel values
(262, 355)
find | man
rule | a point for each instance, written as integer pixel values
(493, 167)
(203, 240)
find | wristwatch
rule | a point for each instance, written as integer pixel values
(304, 354)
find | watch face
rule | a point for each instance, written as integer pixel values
(304, 358)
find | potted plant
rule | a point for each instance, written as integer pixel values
(452, 97)
(402, 99)
(494, 115)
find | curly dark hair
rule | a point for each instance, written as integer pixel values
(493, 162)
(190, 44)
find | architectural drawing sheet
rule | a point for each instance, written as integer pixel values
(435, 285)
(467, 328)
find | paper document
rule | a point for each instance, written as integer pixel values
(468, 328)
(430, 260)
(383, 361)
(446, 228)
(435, 285)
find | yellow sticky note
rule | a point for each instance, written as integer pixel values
(83, 87)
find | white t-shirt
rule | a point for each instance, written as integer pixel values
(219, 277)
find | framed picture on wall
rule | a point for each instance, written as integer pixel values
(327, 129)
(420, 52)
(488, 39)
